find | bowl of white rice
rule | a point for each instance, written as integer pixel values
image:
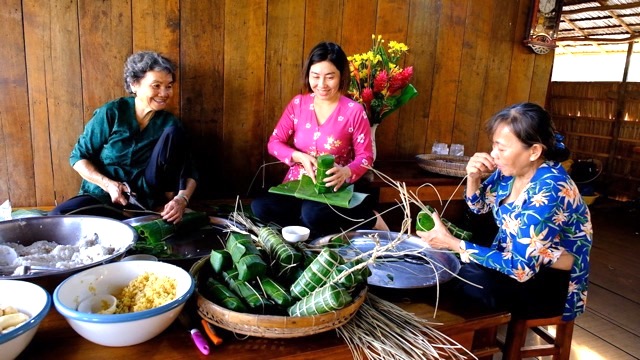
(58, 246)
(149, 294)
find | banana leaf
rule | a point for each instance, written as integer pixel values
(325, 162)
(280, 251)
(328, 298)
(220, 260)
(317, 273)
(223, 296)
(246, 256)
(354, 278)
(305, 189)
(251, 296)
(155, 231)
(408, 93)
(276, 292)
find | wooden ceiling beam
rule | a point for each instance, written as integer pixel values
(602, 8)
(620, 21)
(580, 31)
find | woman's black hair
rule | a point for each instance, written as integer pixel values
(531, 124)
(332, 52)
(138, 64)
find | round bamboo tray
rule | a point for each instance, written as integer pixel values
(443, 164)
(271, 326)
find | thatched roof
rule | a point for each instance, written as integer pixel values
(598, 26)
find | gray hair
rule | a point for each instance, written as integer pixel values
(138, 64)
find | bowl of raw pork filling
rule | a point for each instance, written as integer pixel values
(47, 249)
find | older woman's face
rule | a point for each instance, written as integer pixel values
(324, 80)
(154, 90)
(512, 156)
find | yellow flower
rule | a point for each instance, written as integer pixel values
(377, 82)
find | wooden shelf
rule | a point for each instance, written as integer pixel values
(580, 117)
(605, 137)
(593, 154)
(635, 141)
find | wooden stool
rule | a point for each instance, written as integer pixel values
(559, 346)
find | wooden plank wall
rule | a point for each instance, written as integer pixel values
(240, 62)
(601, 120)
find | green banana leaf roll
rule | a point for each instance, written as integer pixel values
(328, 298)
(246, 256)
(316, 274)
(223, 296)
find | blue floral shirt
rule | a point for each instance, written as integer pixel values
(548, 217)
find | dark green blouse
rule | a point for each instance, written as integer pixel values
(113, 142)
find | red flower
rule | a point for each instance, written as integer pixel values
(367, 96)
(400, 80)
(380, 82)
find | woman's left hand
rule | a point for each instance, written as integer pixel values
(174, 210)
(439, 237)
(338, 175)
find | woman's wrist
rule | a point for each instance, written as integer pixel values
(183, 197)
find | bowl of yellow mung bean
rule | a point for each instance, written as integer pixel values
(149, 296)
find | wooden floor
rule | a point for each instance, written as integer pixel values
(610, 328)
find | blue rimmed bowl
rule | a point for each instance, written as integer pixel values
(120, 329)
(30, 299)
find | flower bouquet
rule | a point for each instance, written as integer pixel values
(377, 82)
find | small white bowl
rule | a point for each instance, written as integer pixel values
(99, 304)
(294, 234)
(120, 329)
(30, 299)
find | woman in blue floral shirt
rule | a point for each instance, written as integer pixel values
(538, 263)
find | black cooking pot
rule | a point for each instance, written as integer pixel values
(585, 171)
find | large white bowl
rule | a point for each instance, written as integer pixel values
(30, 299)
(120, 329)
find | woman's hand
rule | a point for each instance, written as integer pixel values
(174, 209)
(338, 175)
(117, 191)
(439, 237)
(308, 162)
(478, 164)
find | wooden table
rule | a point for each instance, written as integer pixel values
(408, 172)
(56, 340)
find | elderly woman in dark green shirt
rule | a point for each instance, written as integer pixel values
(132, 145)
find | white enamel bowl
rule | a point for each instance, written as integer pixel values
(120, 329)
(30, 299)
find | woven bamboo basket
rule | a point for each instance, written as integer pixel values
(443, 164)
(271, 326)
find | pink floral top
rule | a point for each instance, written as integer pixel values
(346, 134)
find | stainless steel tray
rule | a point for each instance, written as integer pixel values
(193, 244)
(393, 271)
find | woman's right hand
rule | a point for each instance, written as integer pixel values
(308, 162)
(117, 192)
(478, 164)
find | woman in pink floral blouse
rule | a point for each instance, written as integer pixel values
(538, 264)
(321, 121)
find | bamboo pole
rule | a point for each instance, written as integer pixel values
(620, 114)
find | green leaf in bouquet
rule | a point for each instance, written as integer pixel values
(408, 93)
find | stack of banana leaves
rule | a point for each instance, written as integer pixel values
(266, 275)
(152, 234)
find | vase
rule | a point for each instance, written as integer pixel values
(373, 140)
